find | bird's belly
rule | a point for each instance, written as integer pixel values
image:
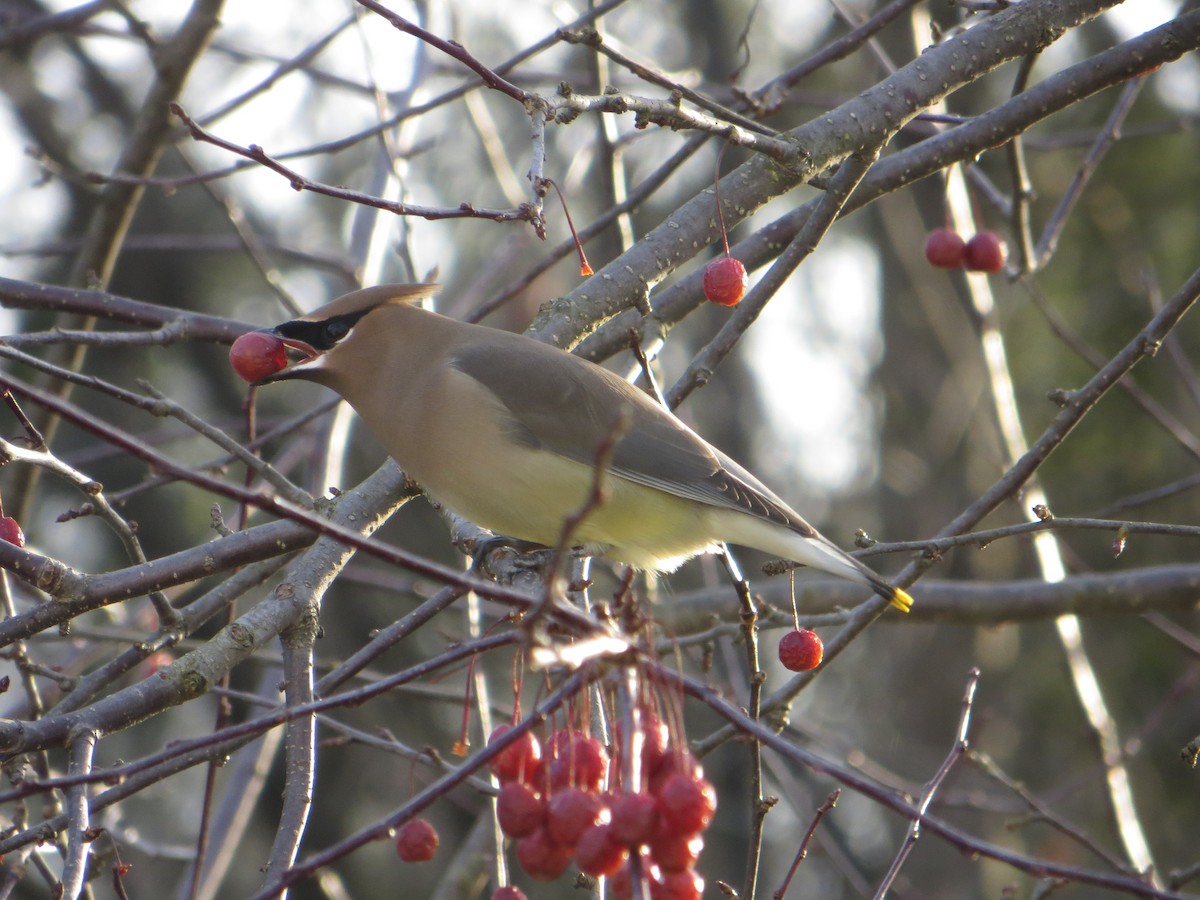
(534, 494)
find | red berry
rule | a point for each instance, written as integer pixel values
(621, 884)
(634, 818)
(801, 650)
(673, 852)
(655, 741)
(675, 762)
(570, 813)
(986, 252)
(256, 354)
(725, 281)
(11, 531)
(518, 760)
(559, 746)
(598, 852)
(159, 659)
(519, 809)
(686, 804)
(508, 892)
(560, 743)
(540, 857)
(945, 248)
(417, 841)
(684, 885)
(581, 762)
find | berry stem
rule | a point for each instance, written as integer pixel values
(717, 191)
(518, 678)
(792, 588)
(585, 267)
(463, 745)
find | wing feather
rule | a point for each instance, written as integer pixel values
(574, 414)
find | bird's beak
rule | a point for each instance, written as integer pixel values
(301, 355)
(298, 351)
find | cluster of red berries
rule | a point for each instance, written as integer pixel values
(554, 804)
(985, 252)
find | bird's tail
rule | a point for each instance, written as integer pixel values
(899, 597)
(822, 553)
(814, 550)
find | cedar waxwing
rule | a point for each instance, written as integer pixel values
(505, 431)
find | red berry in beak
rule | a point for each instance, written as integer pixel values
(257, 354)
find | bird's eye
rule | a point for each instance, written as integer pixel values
(335, 330)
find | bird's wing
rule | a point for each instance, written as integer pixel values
(577, 407)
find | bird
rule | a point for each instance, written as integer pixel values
(508, 432)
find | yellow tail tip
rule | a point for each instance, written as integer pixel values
(901, 600)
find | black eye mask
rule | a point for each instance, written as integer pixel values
(323, 335)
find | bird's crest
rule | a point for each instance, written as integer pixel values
(368, 298)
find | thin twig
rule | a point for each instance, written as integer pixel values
(88, 686)
(1144, 344)
(981, 539)
(1049, 552)
(1044, 812)
(590, 36)
(110, 216)
(569, 688)
(636, 199)
(29, 29)
(1022, 187)
(759, 805)
(956, 751)
(107, 718)
(167, 615)
(670, 114)
(702, 366)
(158, 404)
(298, 182)
(300, 62)
(769, 97)
(388, 637)
(802, 852)
(1160, 415)
(1051, 95)
(1178, 355)
(453, 49)
(889, 798)
(1108, 135)
(275, 505)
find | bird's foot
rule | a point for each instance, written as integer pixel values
(505, 559)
